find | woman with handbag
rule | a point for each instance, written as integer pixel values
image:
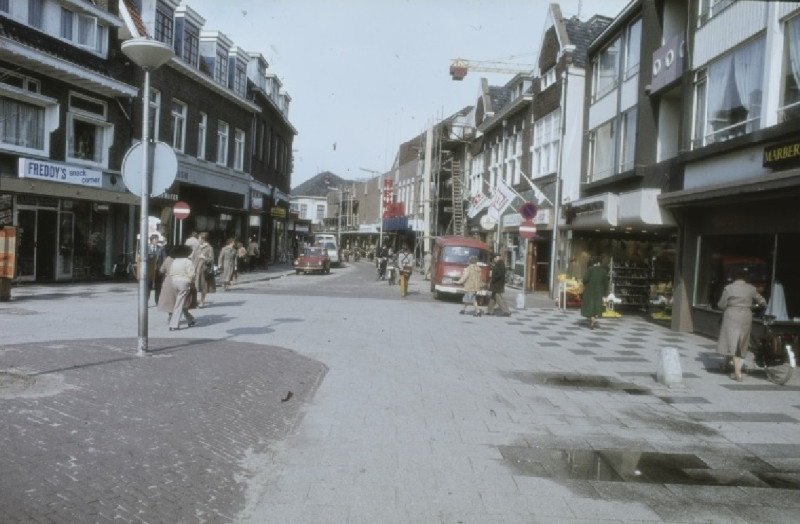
(203, 259)
(473, 282)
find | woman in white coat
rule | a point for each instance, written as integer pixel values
(736, 302)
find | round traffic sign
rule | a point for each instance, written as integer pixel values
(180, 210)
(528, 210)
(527, 229)
(163, 167)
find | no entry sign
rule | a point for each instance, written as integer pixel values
(180, 210)
(527, 229)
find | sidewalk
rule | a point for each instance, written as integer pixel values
(283, 408)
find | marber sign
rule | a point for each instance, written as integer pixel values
(29, 168)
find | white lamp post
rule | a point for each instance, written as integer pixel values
(149, 55)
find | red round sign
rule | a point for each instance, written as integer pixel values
(180, 210)
(527, 229)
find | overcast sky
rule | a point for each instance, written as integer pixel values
(366, 75)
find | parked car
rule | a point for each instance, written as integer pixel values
(313, 260)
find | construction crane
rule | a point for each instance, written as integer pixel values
(460, 66)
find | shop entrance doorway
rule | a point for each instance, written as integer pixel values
(37, 244)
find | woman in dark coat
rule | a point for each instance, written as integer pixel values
(595, 287)
(737, 300)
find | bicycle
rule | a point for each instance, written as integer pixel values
(773, 352)
(124, 268)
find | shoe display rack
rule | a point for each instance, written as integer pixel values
(630, 284)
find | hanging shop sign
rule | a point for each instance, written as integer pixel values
(782, 156)
(277, 212)
(55, 172)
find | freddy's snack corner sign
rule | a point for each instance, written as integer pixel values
(55, 172)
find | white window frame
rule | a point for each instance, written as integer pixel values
(36, 13)
(223, 137)
(546, 146)
(790, 77)
(155, 113)
(608, 165)
(627, 146)
(99, 120)
(27, 92)
(633, 48)
(548, 78)
(706, 95)
(221, 67)
(603, 84)
(202, 136)
(179, 110)
(239, 138)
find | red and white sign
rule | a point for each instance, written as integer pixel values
(180, 210)
(527, 229)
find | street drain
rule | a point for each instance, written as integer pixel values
(641, 467)
(578, 381)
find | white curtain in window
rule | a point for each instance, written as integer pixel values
(719, 78)
(793, 30)
(21, 124)
(749, 67)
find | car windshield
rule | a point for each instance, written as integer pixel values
(315, 252)
(461, 254)
(330, 245)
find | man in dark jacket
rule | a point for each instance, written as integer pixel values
(497, 286)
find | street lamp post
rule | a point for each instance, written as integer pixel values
(149, 55)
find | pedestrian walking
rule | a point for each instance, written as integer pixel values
(736, 302)
(241, 258)
(166, 301)
(405, 264)
(193, 241)
(252, 254)
(203, 259)
(497, 286)
(473, 282)
(595, 287)
(227, 263)
(182, 275)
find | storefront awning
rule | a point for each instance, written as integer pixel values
(640, 209)
(749, 189)
(598, 211)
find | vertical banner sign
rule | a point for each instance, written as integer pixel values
(388, 186)
(8, 251)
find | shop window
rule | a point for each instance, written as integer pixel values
(765, 259)
(728, 95)
(89, 135)
(790, 95)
